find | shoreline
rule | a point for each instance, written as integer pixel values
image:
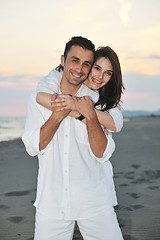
(136, 168)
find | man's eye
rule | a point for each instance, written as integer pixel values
(87, 64)
(97, 68)
(74, 60)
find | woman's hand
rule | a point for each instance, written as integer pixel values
(63, 102)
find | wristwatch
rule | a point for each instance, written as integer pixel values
(81, 117)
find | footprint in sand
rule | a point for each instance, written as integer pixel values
(123, 185)
(16, 219)
(4, 207)
(129, 237)
(131, 207)
(129, 175)
(121, 224)
(147, 176)
(152, 174)
(135, 166)
(18, 193)
(140, 180)
(134, 195)
(118, 174)
(153, 187)
(135, 207)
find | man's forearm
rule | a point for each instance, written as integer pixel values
(97, 138)
(48, 130)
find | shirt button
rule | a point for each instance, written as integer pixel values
(65, 171)
(62, 213)
(66, 189)
(66, 135)
(65, 153)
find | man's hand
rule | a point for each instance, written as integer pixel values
(85, 106)
(97, 138)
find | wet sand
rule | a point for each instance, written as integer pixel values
(136, 164)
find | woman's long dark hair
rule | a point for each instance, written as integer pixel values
(110, 94)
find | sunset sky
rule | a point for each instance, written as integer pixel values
(34, 33)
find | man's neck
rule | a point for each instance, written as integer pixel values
(69, 89)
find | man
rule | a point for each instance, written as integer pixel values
(75, 177)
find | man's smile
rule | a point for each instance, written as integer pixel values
(77, 75)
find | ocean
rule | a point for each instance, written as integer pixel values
(12, 127)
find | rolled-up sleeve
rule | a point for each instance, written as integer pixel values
(34, 121)
(108, 151)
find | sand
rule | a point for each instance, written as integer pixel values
(136, 163)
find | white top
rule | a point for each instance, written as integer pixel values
(72, 182)
(51, 84)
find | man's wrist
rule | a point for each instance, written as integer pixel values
(91, 116)
(80, 117)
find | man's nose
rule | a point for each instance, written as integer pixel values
(79, 68)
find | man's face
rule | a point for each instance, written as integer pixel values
(77, 65)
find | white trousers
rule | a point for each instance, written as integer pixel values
(101, 227)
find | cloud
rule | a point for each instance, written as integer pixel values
(14, 93)
(154, 56)
(140, 83)
(141, 101)
(124, 10)
(19, 81)
(147, 64)
(137, 96)
(142, 92)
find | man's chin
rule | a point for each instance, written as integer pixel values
(76, 83)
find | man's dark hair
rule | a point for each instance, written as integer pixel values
(77, 41)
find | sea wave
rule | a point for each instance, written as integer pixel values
(11, 128)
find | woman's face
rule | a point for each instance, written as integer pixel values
(100, 74)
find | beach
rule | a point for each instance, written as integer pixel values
(136, 164)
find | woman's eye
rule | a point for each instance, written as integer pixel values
(109, 73)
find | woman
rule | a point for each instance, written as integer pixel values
(105, 76)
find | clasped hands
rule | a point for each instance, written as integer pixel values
(79, 105)
(75, 106)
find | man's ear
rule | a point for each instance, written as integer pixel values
(62, 60)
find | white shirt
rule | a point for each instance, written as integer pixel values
(51, 84)
(72, 182)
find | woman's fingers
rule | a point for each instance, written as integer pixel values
(58, 104)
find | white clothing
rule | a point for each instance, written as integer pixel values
(72, 182)
(103, 226)
(117, 116)
(51, 84)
